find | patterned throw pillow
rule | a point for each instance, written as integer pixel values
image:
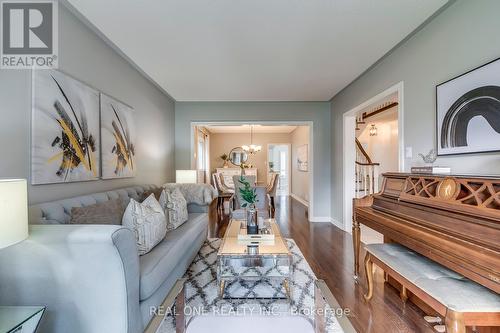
(175, 207)
(108, 212)
(148, 222)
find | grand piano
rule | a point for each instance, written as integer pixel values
(453, 220)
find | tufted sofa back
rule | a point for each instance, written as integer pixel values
(59, 212)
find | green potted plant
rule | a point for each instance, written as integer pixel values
(271, 166)
(249, 198)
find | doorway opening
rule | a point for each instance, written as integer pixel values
(279, 160)
(202, 153)
(373, 144)
(294, 164)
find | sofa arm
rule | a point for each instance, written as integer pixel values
(86, 275)
(201, 194)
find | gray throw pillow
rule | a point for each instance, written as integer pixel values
(175, 207)
(148, 222)
(108, 212)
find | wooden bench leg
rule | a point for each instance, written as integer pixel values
(369, 277)
(403, 294)
(454, 322)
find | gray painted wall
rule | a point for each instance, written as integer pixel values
(464, 36)
(317, 112)
(85, 56)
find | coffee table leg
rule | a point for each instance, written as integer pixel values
(288, 291)
(288, 278)
(221, 288)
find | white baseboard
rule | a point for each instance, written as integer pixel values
(326, 219)
(319, 219)
(299, 199)
(336, 223)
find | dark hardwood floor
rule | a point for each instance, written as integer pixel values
(328, 251)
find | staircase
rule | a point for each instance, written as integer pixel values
(367, 173)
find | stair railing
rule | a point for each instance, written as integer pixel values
(367, 172)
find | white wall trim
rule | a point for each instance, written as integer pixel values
(349, 149)
(299, 199)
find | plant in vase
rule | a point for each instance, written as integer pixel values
(225, 158)
(249, 198)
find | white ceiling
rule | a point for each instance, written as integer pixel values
(257, 50)
(246, 129)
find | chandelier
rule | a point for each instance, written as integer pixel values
(251, 149)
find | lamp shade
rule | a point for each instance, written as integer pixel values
(186, 176)
(13, 211)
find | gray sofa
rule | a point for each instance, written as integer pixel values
(90, 277)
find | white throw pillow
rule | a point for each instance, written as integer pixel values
(175, 207)
(148, 222)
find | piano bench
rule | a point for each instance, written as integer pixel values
(460, 301)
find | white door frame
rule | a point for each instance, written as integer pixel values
(289, 148)
(312, 217)
(349, 148)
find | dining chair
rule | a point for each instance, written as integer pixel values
(223, 192)
(272, 188)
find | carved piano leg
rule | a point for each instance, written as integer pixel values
(369, 277)
(454, 322)
(356, 240)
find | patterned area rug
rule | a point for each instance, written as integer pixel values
(242, 297)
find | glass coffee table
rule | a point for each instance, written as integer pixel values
(254, 259)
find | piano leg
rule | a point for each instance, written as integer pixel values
(356, 240)
(454, 322)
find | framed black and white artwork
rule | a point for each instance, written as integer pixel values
(303, 158)
(118, 139)
(64, 129)
(468, 112)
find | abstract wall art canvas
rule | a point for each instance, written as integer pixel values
(468, 112)
(65, 129)
(302, 158)
(118, 139)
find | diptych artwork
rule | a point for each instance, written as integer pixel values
(65, 129)
(302, 158)
(118, 139)
(468, 112)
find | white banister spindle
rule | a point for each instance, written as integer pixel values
(366, 173)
